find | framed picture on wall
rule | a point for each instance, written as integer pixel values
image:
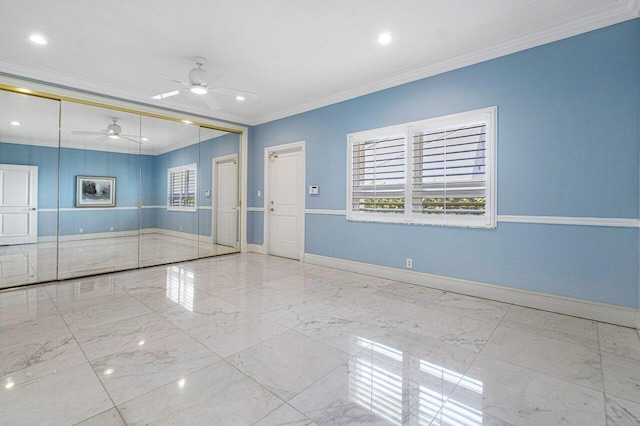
(95, 191)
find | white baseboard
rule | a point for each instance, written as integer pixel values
(177, 234)
(603, 312)
(255, 248)
(48, 239)
(97, 236)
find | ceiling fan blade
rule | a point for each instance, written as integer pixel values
(79, 132)
(166, 78)
(233, 92)
(211, 102)
(166, 95)
(129, 139)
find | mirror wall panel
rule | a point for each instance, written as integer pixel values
(99, 190)
(28, 188)
(169, 214)
(87, 190)
(219, 192)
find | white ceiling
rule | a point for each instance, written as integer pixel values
(296, 55)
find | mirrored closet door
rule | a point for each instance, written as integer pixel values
(219, 205)
(28, 188)
(86, 190)
(99, 190)
(169, 214)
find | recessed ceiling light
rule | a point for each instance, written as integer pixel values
(108, 371)
(145, 139)
(240, 98)
(15, 123)
(384, 38)
(9, 385)
(187, 122)
(38, 39)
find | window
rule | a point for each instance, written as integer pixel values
(181, 188)
(449, 180)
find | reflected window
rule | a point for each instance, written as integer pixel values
(379, 382)
(375, 380)
(180, 286)
(181, 187)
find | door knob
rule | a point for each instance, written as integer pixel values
(32, 208)
(272, 209)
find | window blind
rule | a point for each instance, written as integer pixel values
(181, 187)
(449, 171)
(378, 175)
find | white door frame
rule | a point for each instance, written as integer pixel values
(214, 198)
(287, 147)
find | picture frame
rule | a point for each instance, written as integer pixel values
(95, 191)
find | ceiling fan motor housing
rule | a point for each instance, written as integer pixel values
(196, 75)
(113, 129)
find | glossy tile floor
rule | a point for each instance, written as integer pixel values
(38, 262)
(252, 339)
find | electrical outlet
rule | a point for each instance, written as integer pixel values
(111, 228)
(409, 263)
(181, 229)
(80, 231)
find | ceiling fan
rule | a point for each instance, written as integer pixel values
(199, 86)
(113, 131)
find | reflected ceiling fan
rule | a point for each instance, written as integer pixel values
(199, 86)
(113, 131)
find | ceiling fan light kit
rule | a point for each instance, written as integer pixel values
(197, 85)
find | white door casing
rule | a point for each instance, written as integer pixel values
(225, 207)
(285, 200)
(18, 204)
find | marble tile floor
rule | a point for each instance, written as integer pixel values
(250, 339)
(39, 262)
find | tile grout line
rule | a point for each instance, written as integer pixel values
(90, 366)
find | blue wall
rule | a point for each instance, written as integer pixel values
(155, 180)
(46, 159)
(137, 177)
(124, 167)
(568, 145)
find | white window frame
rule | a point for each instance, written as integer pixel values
(179, 169)
(488, 220)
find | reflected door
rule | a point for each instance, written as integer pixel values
(286, 205)
(18, 204)
(226, 189)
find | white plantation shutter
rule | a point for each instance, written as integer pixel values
(181, 188)
(449, 170)
(378, 176)
(450, 178)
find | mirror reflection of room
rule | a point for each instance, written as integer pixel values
(99, 190)
(89, 190)
(28, 188)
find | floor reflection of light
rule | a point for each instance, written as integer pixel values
(373, 386)
(180, 286)
(453, 412)
(376, 383)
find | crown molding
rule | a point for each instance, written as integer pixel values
(69, 82)
(623, 11)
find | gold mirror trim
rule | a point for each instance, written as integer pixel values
(40, 94)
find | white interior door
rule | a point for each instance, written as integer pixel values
(18, 204)
(285, 205)
(226, 213)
